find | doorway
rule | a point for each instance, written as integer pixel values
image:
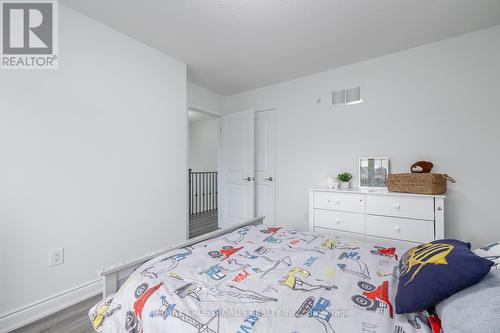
(203, 173)
(247, 167)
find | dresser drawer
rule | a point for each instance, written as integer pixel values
(400, 228)
(350, 222)
(345, 202)
(400, 206)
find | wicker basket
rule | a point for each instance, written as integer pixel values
(420, 183)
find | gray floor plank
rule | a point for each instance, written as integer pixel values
(203, 223)
(73, 319)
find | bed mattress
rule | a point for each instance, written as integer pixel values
(262, 279)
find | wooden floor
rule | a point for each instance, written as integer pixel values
(70, 320)
(203, 223)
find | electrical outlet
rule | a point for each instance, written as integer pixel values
(56, 257)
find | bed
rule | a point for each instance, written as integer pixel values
(261, 279)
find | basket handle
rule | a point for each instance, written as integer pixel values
(448, 178)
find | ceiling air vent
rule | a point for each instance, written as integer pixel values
(347, 96)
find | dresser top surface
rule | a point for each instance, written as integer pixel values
(373, 192)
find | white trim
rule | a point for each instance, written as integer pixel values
(276, 165)
(188, 180)
(50, 305)
(219, 173)
(208, 112)
(265, 110)
(374, 192)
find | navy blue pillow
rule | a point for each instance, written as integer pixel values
(431, 272)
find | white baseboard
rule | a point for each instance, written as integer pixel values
(38, 310)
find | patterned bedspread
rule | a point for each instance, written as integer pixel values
(260, 279)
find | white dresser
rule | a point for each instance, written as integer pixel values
(377, 216)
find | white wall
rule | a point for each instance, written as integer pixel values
(93, 159)
(201, 98)
(204, 145)
(437, 102)
(204, 134)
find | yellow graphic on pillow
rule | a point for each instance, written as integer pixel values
(420, 256)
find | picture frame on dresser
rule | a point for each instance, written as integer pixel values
(373, 173)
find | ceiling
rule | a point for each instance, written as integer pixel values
(232, 46)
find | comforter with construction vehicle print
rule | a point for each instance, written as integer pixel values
(263, 279)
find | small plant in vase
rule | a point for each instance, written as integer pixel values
(344, 178)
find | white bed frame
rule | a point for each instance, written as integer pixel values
(114, 276)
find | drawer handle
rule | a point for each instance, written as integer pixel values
(397, 228)
(397, 206)
(338, 220)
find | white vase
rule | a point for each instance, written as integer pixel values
(331, 182)
(345, 185)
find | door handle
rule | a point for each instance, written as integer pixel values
(248, 179)
(269, 179)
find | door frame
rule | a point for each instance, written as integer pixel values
(218, 116)
(276, 159)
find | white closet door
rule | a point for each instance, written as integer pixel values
(236, 186)
(265, 179)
